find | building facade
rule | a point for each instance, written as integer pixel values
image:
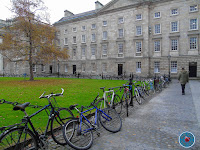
(143, 37)
(140, 37)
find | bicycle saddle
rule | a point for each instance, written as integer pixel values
(21, 107)
(72, 106)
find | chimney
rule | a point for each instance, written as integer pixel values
(67, 13)
(98, 5)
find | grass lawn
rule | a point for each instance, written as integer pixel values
(77, 91)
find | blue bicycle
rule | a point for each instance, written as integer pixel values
(78, 131)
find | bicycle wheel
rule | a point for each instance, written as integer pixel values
(60, 118)
(117, 104)
(75, 138)
(18, 139)
(137, 96)
(110, 119)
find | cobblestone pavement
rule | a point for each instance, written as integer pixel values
(156, 124)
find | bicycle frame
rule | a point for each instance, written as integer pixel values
(96, 118)
(27, 120)
(105, 97)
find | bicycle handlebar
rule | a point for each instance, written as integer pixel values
(50, 95)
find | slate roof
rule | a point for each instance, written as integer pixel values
(77, 16)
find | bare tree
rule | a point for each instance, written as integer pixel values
(31, 38)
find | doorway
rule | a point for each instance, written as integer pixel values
(74, 69)
(120, 69)
(193, 69)
(50, 69)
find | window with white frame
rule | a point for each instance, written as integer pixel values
(138, 67)
(157, 29)
(105, 35)
(83, 28)
(174, 26)
(120, 20)
(139, 17)
(74, 52)
(74, 39)
(121, 33)
(43, 68)
(104, 23)
(93, 37)
(74, 29)
(157, 15)
(193, 24)
(157, 46)
(138, 30)
(34, 68)
(156, 67)
(93, 26)
(138, 47)
(104, 49)
(65, 31)
(173, 66)
(83, 39)
(66, 70)
(174, 11)
(93, 51)
(193, 8)
(174, 44)
(104, 67)
(65, 41)
(193, 42)
(83, 67)
(120, 48)
(83, 49)
(93, 67)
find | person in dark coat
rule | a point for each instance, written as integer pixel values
(183, 79)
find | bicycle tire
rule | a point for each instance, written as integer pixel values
(18, 138)
(128, 100)
(125, 102)
(100, 104)
(117, 104)
(75, 138)
(110, 120)
(137, 97)
(58, 120)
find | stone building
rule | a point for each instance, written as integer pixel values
(143, 37)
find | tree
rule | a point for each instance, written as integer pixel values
(30, 38)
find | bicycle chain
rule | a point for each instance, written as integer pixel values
(3, 101)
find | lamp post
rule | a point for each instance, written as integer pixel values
(169, 57)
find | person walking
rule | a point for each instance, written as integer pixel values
(183, 79)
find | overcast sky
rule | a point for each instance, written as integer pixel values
(56, 7)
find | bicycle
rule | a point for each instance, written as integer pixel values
(126, 97)
(111, 99)
(78, 131)
(21, 137)
(138, 93)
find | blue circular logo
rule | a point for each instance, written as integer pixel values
(186, 139)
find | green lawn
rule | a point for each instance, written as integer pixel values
(77, 91)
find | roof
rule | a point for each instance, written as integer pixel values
(77, 16)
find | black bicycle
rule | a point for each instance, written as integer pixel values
(21, 137)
